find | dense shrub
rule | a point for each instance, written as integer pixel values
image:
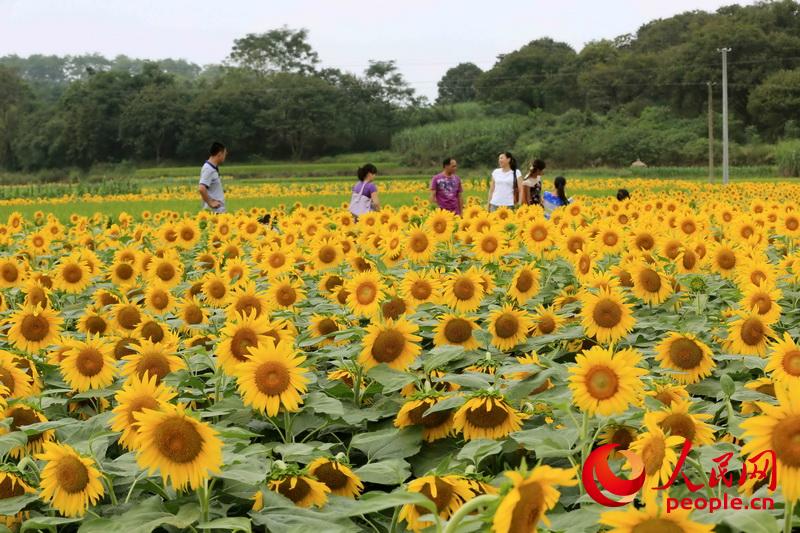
(787, 156)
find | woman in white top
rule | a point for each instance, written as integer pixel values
(503, 189)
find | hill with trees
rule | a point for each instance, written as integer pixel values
(640, 95)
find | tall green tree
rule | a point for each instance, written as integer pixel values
(458, 84)
(278, 50)
(775, 101)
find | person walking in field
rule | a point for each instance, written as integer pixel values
(532, 184)
(557, 197)
(364, 197)
(210, 187)
(504, 187)
(446, 190)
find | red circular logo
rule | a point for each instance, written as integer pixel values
(597, 465)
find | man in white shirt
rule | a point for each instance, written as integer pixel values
(210, 187)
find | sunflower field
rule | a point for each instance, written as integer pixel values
(413, 371)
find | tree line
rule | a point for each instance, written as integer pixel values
(271, 98)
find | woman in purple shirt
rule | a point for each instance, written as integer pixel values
(365, 185)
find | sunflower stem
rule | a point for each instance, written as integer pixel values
(111, 492)
(467, 508)
(357, 387)
(788, 512)
(697, 466)
(133, 485)
(287, 427)
(393, 525)
(202, 496)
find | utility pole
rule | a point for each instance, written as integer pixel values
(725, 169)
(710, 132)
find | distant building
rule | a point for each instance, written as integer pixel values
(638, 163)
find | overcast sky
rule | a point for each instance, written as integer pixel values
(425, 37)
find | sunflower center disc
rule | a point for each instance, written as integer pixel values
(528, 510)
(298, 492)
(752, 331)
(524, 281)
(365, 293)
(457, 330)
(651, 281)
(679, 424)
(791, 362)
(464, 289)
(601, 382)
(72, 273)
(421, 290)
(178, 440)
(506, 325)
(35, 328)
(607, 313)
(9, 489)
(326, 326)
(89, 362)
(388, 346)
(685, 353)
(332, 477)
(72, 474)
(272, 378)
(481, 417)
(444, 493)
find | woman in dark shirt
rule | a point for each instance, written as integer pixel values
(532, 184)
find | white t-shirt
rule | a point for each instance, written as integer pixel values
(503, 187)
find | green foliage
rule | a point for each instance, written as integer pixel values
(471, 141)
(458, 84)
(787, 156)
(775, 99)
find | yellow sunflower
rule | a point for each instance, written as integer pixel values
(777, 429)
(489, 246)
(246, 298)
(606, 383)
(127, 315)
(463, 291)
(530, 497)
(448, 493)
(525, 284)
(182, 449)
(365, 291)
(238, 337)
(272, 377)
(156, 359)
(192, 313)
(783, 364)
(88, 364)
(606, 316)
(216, 289)
(652, 518)
(303, 491)
(764, 300)
(657, 451)
(336, 476)
(649, 285)
(749, 334)
(421, 286)
(70, 482)
(12, 486)
(392, 342)
(136, 394)
(24, 415)
(487, 416)
(509, 327)
(285, 292)
(158, 299)
(34, 328)
(435, 426)
(324, 326)
(675, 419)
(16, 381)
(456, 330)
(685, 354)
(546, 321)
(72, 275)
(419, 247)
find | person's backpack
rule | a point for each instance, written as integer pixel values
(360, 204)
